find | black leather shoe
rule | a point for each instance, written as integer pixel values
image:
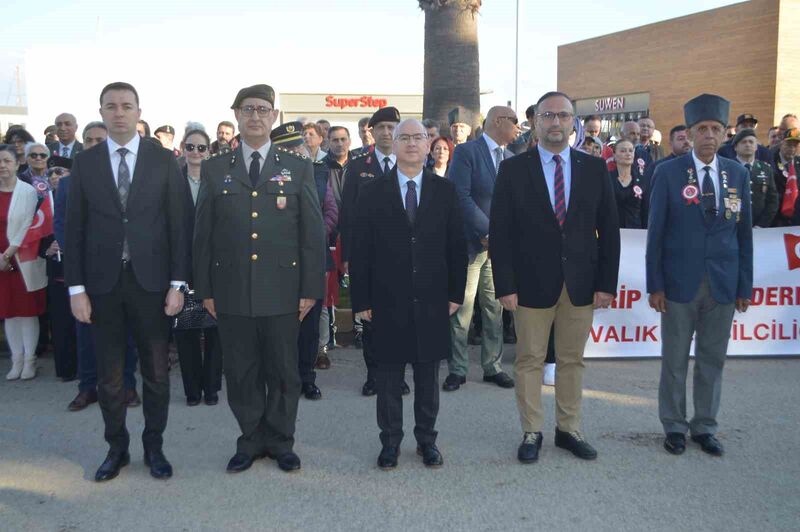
(574, 443)
(288, 462)
(82, 400)
(431, 456)
(368, 388)
(405, 389)
(211, 399)
(113, 463)
(709, 444)
(388, 457)
(311, 392)
(453, 382)
(675, 442)
(192, 401)
(240, 462)
(160, 468)
(501, 379)
(528, 451)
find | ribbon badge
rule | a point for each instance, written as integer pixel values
(690, 193)
(637, 191)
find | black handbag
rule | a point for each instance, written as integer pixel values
(193, 315)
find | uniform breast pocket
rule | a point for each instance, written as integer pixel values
(283, 196)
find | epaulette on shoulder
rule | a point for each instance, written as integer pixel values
(321, 161)
(360, 155)
(293, 153)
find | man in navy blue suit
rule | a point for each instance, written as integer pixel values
(474, 170)
(699, 270)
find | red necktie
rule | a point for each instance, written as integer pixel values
(560, 207)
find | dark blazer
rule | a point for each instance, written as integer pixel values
(631, 207)
(360, 170)
(531, 255)
(682, 248)
(155, 219)
(405, 274)
(258, 250)
(76, 149)
(473, 172)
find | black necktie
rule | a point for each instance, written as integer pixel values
(748, 166)
(255, 168)
(709, 197)
(386, 167)
(411, 201)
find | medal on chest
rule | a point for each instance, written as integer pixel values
(690, 191)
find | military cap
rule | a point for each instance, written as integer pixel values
(459, 115)
(746, 118)
(165, 129)
(263, 92)
(384, 114)
(706, 107)
(287, 135)
(56, 160)
(743, 134)
(792, 134)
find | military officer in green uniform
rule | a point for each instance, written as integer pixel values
(763, 193)
(259, 264)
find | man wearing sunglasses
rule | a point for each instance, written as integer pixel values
(259, 267)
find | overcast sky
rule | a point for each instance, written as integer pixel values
(188, 58)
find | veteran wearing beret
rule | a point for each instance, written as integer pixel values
(699, 270)
(259, 267)
(460, 120)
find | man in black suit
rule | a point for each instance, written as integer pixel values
(127, 254)
(67, 145)
(554, 242)
(408, 272)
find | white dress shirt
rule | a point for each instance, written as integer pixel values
(69, 147)
(492, 148)
(247, 153)
(549, 168)
(403, 180)
(381, 156)
(701, 174)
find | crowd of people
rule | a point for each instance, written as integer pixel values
(117, 246)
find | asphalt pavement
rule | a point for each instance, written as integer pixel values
(48, 457)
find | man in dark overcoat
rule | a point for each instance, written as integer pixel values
(408, 269)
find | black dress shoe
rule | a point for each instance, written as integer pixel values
(453, 382)
(675, 442)
(388, 457)
(160, 468)
(405, 389)
(311, 392)
(288, 462)
(114, 461)
(574, 443)
(82, 400)
(240, 462)
(709, 444)
(431, 456)
(501, 379)
(192, 401)
(528, 451)
(368, 388)
(211, 399)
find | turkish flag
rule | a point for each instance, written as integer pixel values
(790, 193)
(41, 227)
(792, 243)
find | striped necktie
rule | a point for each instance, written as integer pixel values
(560, 207)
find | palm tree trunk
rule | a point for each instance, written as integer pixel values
(452, 75)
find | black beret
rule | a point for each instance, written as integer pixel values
(263, 92)
(165, 129)
(384, 114)
(56, 160)
(459, 115)
(287, 135)
(746, 118)
(740, 136)
(706, 107)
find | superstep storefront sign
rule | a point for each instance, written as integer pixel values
(770, 327)
(342, 107)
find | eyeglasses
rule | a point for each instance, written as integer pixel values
(549, 116)
(248, 110)
(512, 119)
(201, 148)
(38, 155)
(405, 139)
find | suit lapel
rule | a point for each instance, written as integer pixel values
(576, 173)
(238, 169)
(395, 198)
(483, 148)
(426, 200)
(698, 207)
(270, 167)
(107, 176)
(140, 173)
(536, 174)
